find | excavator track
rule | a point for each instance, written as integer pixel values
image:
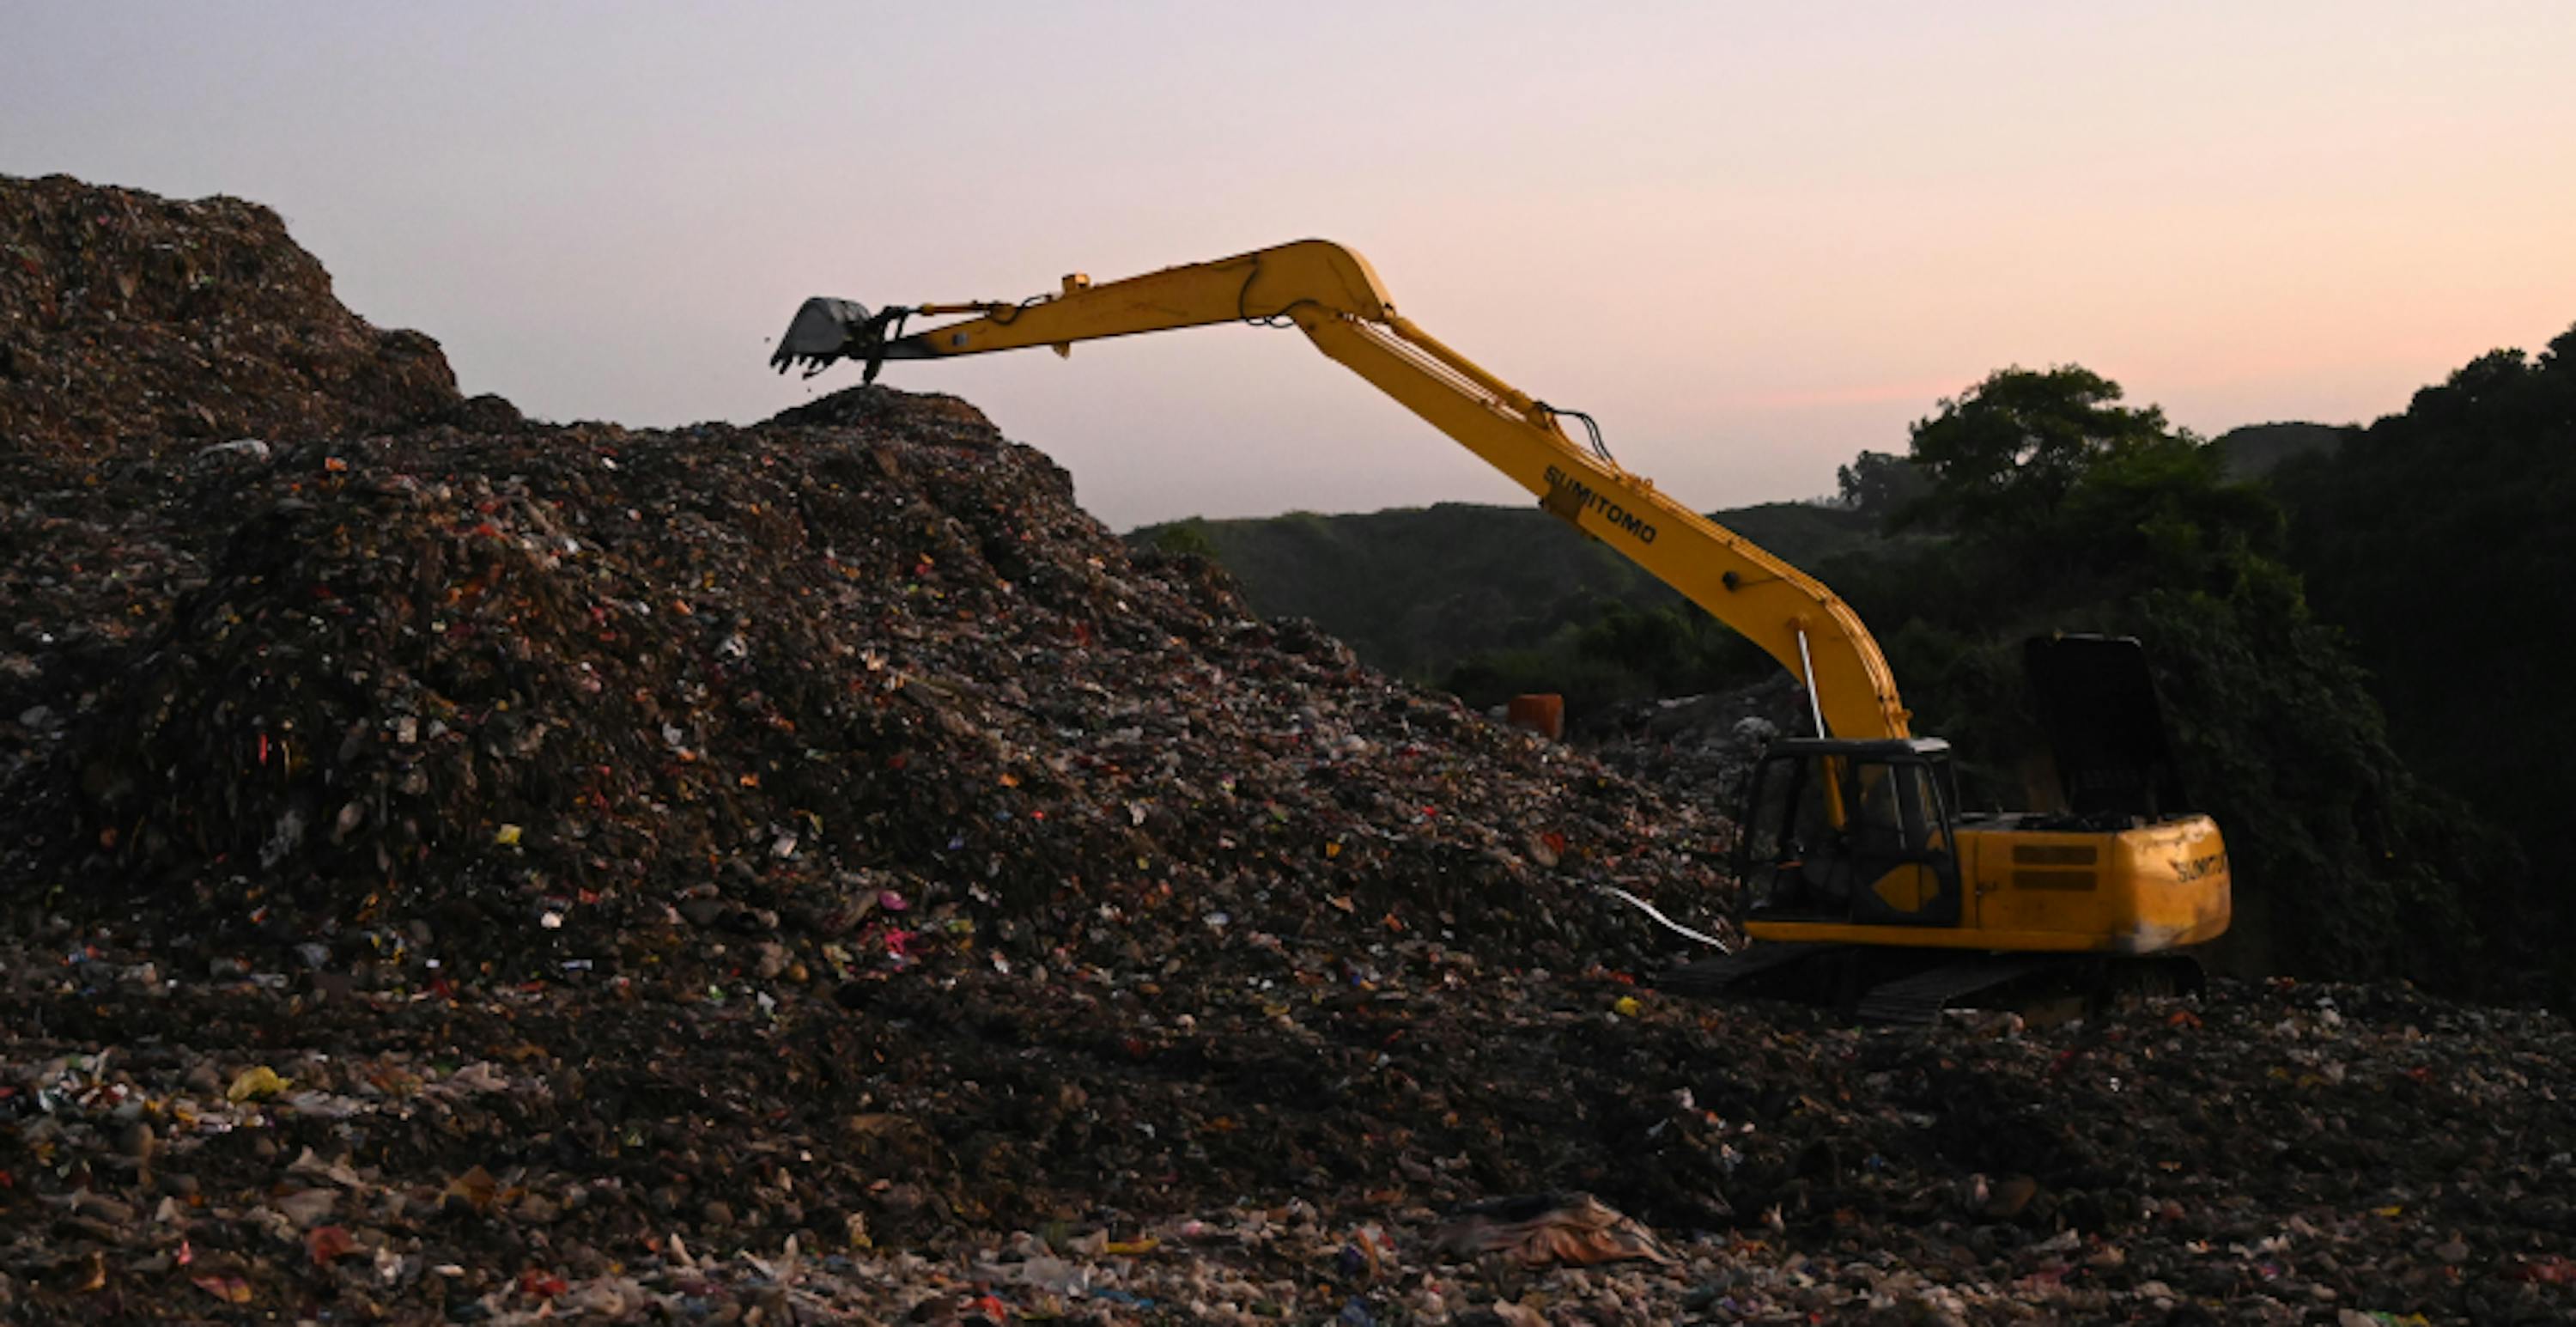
(1921, 998)
(1912, 987)
(1752, 970)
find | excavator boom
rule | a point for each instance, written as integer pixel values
(1334, 297)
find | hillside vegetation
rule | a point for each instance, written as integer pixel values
(1510, 593)
(2256, 450)
(2438, 540)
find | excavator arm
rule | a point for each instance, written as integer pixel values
(1332, 295)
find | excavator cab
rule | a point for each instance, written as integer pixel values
(1853, 832)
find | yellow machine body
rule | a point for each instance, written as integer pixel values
(2134, 891)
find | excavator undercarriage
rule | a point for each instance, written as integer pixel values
(1880, 984)
(1869, 891)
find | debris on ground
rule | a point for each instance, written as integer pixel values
(1544, 1230)
(1699, 748)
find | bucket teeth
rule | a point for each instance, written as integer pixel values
(819, 334)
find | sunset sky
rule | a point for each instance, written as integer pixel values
(1752, 239)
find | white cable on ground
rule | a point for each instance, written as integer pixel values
(1661, 920)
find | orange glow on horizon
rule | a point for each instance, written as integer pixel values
(1754, 240)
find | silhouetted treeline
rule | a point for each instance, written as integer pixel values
(2439, 540)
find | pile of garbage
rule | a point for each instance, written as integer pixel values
(456, 868)
(1701, 748)
(558, 699)
(129, 318)
(134, 330)
(861, 687)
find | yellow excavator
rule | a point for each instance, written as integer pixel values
(1866, 881)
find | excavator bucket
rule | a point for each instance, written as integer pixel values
(824, 330)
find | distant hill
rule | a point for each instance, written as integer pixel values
(2256, 450)
(1414, 590)
(1418, 591)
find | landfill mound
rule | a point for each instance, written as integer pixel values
(135, 329)
(125, 317)
(569, 696)
(408, 685)
(1702, 747)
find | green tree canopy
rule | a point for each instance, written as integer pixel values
(1881, 484)
(2004, 455)
(2439, 539)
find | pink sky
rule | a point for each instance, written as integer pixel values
(1752, 239)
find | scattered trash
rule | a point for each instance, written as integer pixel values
(257, 1083)
(230, 1289)
(324, 1244)
(1543, 1230)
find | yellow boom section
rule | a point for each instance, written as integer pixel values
(1332, 295)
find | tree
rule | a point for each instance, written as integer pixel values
(1186, 537)
(2438, 540)
(1881, 484)
(2003, 455)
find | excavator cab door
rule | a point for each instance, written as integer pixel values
(1855, 832)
